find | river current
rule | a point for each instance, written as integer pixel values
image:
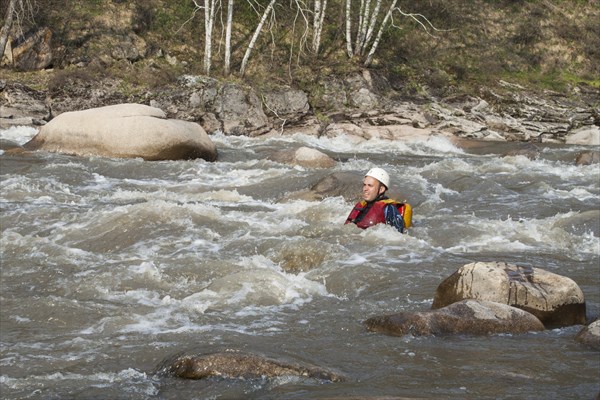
(109, 267)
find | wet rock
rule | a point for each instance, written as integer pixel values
(301, 255)
(126, 131)
(345, 184)
(588, 158)
(556, 300)
(590, 335)
(473, 317)
(238, 365)
(304, 157)
(6, 144)
(528, 150)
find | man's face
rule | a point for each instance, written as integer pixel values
(371, 188)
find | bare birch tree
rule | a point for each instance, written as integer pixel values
(370, 20)
(382, 27)
(348, 35)
(228, 27)
(318, 21)
(255, 37)
(17, 13)
(8, 21)
(209, 23)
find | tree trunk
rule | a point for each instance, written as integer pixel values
(4, 32)
(209, 23)
(379, 34)
(371, 26)
(255, 36)
(319, 18)
(349, 29)
(228, 37)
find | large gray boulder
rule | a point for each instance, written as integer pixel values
(124, 131)
(238, 365)
(556, 300)
(473, 317)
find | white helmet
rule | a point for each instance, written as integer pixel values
(380, 175)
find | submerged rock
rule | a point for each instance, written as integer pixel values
(238, 365)
(588, 158)
(471, 317)
(304, 157)
(556, 300)
(124, 131)
(590, 335)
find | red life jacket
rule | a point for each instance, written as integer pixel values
(365, 215)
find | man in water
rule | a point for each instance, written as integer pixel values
(376, 207)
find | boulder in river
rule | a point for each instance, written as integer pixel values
(473, 317)
(304, 157)
(124, 131)
(556, 300)
(238, 365)
(590, 335)
(588, 158)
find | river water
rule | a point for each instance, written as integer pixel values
(109, 267)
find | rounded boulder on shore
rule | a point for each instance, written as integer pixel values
(124, 131)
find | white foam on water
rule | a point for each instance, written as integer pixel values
(129, 377)
(349, 144)
(576, 193)
(259, 286)
(233, 174)
(18, 134)
(524, 235)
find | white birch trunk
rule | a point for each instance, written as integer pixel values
(255, 36)
(227, 66)
(363, 28)
(349, 29)
(371, 26)
(8, 21)
(209, 24)
(360, 24)
(384, 23)
(319, 18)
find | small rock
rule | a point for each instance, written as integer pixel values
(588, 158)
(590, 335)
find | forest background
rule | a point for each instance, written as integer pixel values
(437, 47)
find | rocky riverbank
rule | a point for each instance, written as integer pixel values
(363, 106)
